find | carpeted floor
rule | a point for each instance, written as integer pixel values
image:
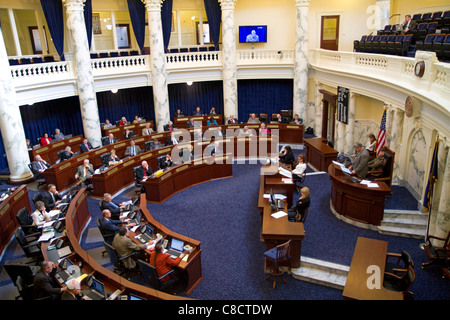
(223, 215)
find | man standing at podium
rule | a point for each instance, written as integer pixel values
(360, 165)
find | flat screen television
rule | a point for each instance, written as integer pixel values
(252, 34)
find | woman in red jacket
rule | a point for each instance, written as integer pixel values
(45, 140)
(163, 262)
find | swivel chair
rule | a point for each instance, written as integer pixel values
(277, 256)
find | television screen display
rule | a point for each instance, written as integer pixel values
(252, 34)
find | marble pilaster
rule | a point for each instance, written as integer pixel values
(318, 105)
(83, 71)
(340, 139)
(382, 13)
(158, 64)
(389, 120)
(350, 127)
(11, 126)
(229, 58)
(301, 60)
(396, 138)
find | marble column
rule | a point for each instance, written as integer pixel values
(389, 120)
(83, 71)
(11, 126)
(301, 60)
(229, 58)
(350, 127)
(396, 138)
(340, 139)
(158, 64)
(319, 107)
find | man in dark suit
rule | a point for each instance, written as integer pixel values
(111, 139)
(39, 165)
(408, 24)
(216, 149)
(107, 224)
(85, 146)
(166, 162)
(67, 154)
(113, 207)
(197, 112)
(43, 284)
(172, 139)
(144, 171)
(179, 113)
(51, 198)
(360, 165)
(232, 120)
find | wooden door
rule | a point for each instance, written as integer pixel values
(329, 33)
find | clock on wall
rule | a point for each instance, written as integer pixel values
(419, 69)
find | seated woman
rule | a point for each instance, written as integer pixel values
(263, 131)
(297, 212)
(113, 158)
(166, 162)
(211, 122)
(299, 170)
(371, 143)
(45, 140)
(287, 156)
(108, 124)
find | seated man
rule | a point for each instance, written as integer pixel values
(43, 284)
(39, 165)
(198, 135)
(212, 111)
(232, 120)
(147, 130)
(253, 119)
(179, 113)
(191, 123)
(114, 208)
(51, 198)
(197, 112)
(125, 246)
(211, 121)
(296, 120)
(112, 139)
(128, 134)
(109, 225)
(132, 149)
(144, 171)
(279, 118)
(172, 139)
(85, 146)
(84, 172)
(166, 162)
(155, 145)
(245, 132)
(217, 149)
(58, 135)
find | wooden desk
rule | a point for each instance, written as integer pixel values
(185, 175)
(118, 131)
(277, 231)
(356, 201)
(50, 152)
(8, 210)
(368, 252)
(76, 219)
(319, 154)
(181, 122)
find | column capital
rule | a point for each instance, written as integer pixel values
(301, 3)
(74, 5)
(153, 5)
(227, 4)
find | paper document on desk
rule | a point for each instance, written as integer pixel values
(373, 185)
(46, 236)
(366, 182)
(287, 180)
(61, 204)
(279, 214)
(124, 214)
(338, 163)
(133, 229)
(280, 196)
(53, 213)
(285, 172)
(266, 196)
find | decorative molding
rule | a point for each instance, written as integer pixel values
(227, 4)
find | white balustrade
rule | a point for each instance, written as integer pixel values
(265, 57)
(190, 59)
(39, 73)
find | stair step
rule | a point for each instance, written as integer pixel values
(403, 231)
(321, 272)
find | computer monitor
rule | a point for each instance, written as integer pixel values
(177, 244)
(147, 229)
(134, 297)
(98, 286)
(65, 264)
(273, 201)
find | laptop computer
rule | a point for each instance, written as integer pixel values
(147, 233)
(176, 248)
(96, 291)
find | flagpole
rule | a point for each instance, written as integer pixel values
(431, 178)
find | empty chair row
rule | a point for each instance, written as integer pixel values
(95, 55)
(15, 62)
(386, 44)
(442, 18)
(192, 49)
(438, 43)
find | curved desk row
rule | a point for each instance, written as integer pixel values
(77, 218)
(8, 210)
(181, 122)
(50, 152)
(118, 131)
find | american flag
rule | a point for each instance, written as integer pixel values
(381, 140)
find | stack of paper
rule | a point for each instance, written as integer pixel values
(278, 214)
